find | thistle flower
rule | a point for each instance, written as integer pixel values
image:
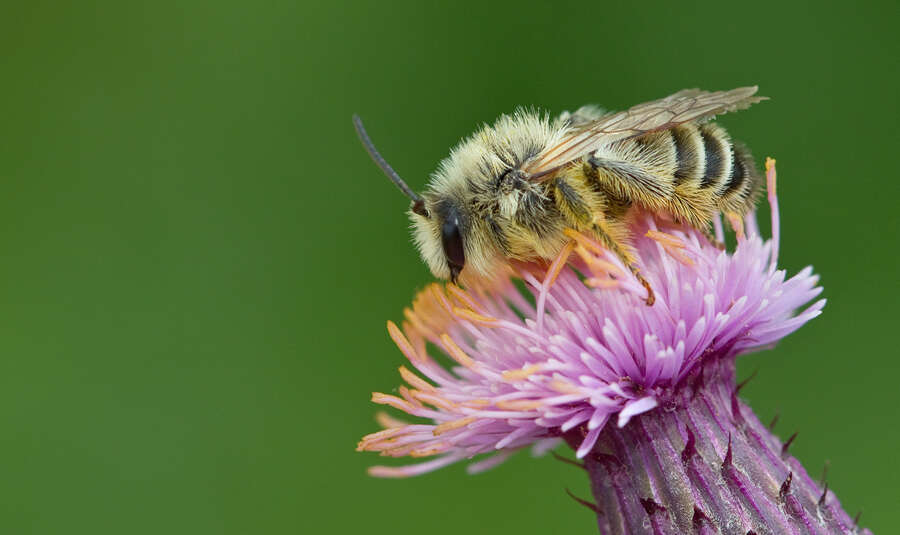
(646, 396)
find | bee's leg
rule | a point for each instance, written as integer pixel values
(570, 197)
(711, 238)
(598, 229)
(572, 200)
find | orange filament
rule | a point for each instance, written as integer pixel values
(403, 343)
(474, 317)
(440, 297)
(519, 405)
(417, 323)
(665, 239)
(450, 426)
(598, 265)
(771, 176)
(386, 434)
(558, 264)
(456, 353)
(584, 241)
(414, 380)
(434, 400)
(595, 282)
(672, 245)
(393, 401)
(462, 296)
(518, 375)
(564, 387)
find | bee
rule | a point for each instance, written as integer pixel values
(510, 191)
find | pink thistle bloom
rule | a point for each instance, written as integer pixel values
(645, 395)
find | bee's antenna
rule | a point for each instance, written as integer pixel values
(418, 203)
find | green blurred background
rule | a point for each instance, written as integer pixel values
(199, 258)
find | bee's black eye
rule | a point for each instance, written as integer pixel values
(451, 237)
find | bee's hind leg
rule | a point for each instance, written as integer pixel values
(610, 243)
(711, 238)
(570, 196)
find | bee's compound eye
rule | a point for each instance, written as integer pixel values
(451, 237)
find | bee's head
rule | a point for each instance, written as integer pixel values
(440, 227)
(440, 223)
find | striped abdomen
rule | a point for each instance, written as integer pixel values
(706, 161)
(690, 170)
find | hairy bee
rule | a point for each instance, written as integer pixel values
(510, 190)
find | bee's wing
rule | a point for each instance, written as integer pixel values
(682, 107)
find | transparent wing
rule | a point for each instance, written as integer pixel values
(684, 106)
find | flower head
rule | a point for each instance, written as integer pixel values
(576, 347)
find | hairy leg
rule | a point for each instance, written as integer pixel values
(611, 244)
(570, 197)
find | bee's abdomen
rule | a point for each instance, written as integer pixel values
(689, 154)
(691, 171)
(709, 165)
(703, 157)
(743, 184)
